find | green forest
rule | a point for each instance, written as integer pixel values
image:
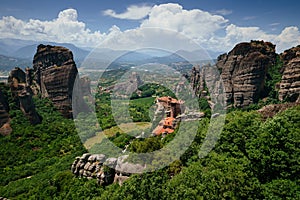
(255, 158)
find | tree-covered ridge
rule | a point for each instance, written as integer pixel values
(254, 159)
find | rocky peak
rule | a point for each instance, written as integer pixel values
(47, 56)
(290, 54)
(244, 48)
(53, 76)
(55, 73)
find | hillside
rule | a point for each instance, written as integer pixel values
(36, 162)
(256, 156)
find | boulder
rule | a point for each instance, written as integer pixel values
(96, 166)
(85, 156)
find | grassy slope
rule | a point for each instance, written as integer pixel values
(126, 127)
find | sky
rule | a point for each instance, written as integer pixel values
(215, 25)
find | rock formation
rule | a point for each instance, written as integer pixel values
(27, 105)
(289, 87)
(92, 166)
(54, 74)
(106, 170)
(22, 95)
(128, 84)
(5, 128)
(272, 109)
(16, 76)
(243, 71)
(207, 80)
(85, 83)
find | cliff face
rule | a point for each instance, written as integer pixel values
(289, 87)
(5, 128)
(16, 77)
(243, 71)
(54, 74)
(22, 95)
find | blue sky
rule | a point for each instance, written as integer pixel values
(215, 24)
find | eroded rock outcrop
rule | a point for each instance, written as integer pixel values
(105, 170)
(85, 83)
(243, 71)
(92, 166)
(22, 95)
(271, 110)
(5, 128)
(125, 87)
(27, 105)
(289, 87)
(16, 77)
(54, 74)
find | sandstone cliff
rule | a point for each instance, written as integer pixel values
(289, 87)
(243, 71)
(54, 74)
(5, 128)
(22, 95)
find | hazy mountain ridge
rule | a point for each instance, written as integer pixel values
(24, 50)
(8, 63)
(27, 48)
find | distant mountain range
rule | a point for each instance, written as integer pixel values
(8, 63)
(16, 52)
(27, 48)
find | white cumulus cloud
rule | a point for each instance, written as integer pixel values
(168, 26)
(289, 37)
(132, 12)
(197, 24)
(65, 28)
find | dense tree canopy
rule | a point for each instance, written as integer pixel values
(253, 159)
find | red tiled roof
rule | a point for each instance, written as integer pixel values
(169, 99)
(168, 121)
